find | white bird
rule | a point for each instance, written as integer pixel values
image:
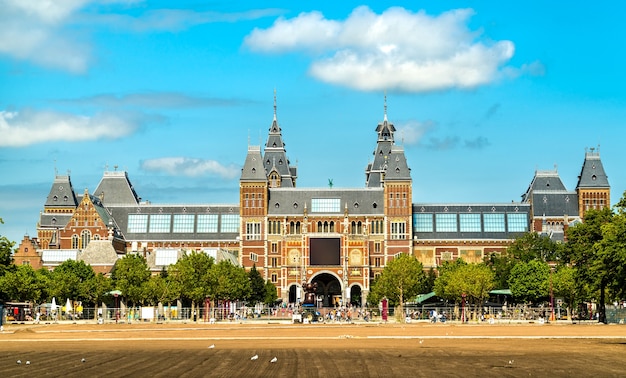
(27, 362)
(211, 346)
(255, 357)
(421, 341)
(274, 360)
(511, 362)
(19, 362)
(83, 360)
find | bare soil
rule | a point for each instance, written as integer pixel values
(312, 350)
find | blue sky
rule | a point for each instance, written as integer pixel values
(482, 94)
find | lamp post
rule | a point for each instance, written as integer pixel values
(551, 294)
(117, 310)
(463, 318)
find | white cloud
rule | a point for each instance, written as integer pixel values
(397, 49)
(191, 167)
(30, 127)
(412, 132)
(155, 100)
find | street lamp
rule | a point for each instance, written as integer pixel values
(463, 318)
(551, 293)
(117, 310)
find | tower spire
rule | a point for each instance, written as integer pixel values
(274, 104)
(385, 105)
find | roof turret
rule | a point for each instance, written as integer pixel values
(115, 188)
(253, 167)
(61, 194)
(275, 156)
(592, 174)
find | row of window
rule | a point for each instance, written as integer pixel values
(183, 223)
(473, 222)
(84, 239)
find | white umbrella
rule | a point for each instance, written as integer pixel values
(54, 304)
(68, 306)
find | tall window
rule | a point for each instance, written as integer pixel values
(274, 278)
(274, 227)
(377, 247)
(274, 262)
(74, 241)
(376, 227)
(85, 238)
(253, 231)
(254, 257)
(274, 248)
(398, 230)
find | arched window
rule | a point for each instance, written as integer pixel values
(85, 237)
(332, 226)
(319, 227)
(74, 241)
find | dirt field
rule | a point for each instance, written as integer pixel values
(352, 350)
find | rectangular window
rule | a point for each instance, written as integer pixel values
(230, 223)
(445, 222)
(423, 222)
(376, 247)
(517, 222)
(325, 205)
(253, 231)
(398, 231)
(274, 262)
(160, 223)
(207, 223)
(254, 257)
(137, 223)
(494, 222)
(274, 278)
(377, 262)
(470, 222)
(274, 248)
(184, 223)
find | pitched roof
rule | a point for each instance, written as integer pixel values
(61, 193)
(99, 252)
(253, 167)
(115, 188)
(592, 174)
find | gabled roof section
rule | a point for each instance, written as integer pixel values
(592, 174)
(115, 189)
(397, 167)
(253, 167)
(62, 193)
(544, 181)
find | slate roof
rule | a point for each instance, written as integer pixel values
(389, 160)
(554, 204)
(592, 174)
(253, 169)
(293, 201)
(545, 181)
(61, 193)
(115, 188)
(275, 155)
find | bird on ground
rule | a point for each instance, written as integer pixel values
(255, 357)
(421, 341)
(83, 360)
(274, 360)
(511, 362)
(27, 362)
(19, 362)
(211, 346)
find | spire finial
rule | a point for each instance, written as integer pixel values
(385, 104)
(274, 104)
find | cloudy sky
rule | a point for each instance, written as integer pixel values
(482, 94)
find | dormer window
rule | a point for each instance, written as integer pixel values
(55, 198)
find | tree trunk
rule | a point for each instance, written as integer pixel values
(602, 309)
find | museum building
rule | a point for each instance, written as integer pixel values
(339, 238)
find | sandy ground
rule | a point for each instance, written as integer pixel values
(312, 350)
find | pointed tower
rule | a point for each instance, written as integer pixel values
(277, 168)
(253, 192)
(594, 191)
(391, 171)
(58, 209)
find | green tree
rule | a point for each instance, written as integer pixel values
(229, 282)
(257, 286)
(271, 293)
(70, 280)
(471, 282)
(129, 275)
(529, 281)
(564, 286)
(97, 288)
(443, 286)
(6, 259)
(533, 246)
(402, 278)
(21, 284)
(582, 252)
(191, 277)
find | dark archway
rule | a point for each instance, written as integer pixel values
(355, 296)
(328, 288)
(293, 289)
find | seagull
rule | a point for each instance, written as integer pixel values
(19, 362)
(255, 357)
(211, 346)
(274, 360)
(421, 341)
(27, 362)
(511, 362)
(83, 360)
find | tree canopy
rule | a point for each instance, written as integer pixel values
(401, 279)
